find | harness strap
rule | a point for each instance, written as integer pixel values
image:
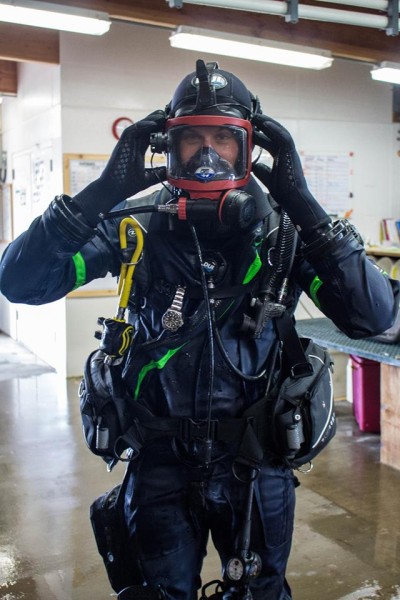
(242, 430)
(228, 430)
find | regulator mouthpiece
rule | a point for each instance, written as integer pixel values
(207, 165)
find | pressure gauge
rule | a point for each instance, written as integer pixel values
(255, 566)
(119, 125)
(235, 568)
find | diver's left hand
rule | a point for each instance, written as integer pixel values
(285, 180)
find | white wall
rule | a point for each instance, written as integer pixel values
(32, 138)
(81, 316)
(132, 71)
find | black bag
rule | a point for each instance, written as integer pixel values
(303, 416)
(105, 408)
(110, 533)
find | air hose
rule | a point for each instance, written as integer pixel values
(270, 301)
(281, 257)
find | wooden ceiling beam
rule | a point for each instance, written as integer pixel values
(29, 44)
(8, 78)
(345, 41)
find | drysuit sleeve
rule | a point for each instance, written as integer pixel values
(45, 263)
(349, 288)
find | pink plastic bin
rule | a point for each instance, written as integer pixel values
(366, 393)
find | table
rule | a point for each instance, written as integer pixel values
(325, 333)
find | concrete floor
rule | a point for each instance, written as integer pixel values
(347, 540)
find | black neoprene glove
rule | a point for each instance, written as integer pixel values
(285, 180)
(125, 174)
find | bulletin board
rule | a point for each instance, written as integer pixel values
(82, 169)
(79, 171)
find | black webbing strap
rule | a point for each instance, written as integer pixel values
(250, 452)
(299, 366)
(186, 429)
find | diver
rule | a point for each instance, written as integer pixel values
(206, 261)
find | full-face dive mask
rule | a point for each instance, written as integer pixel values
(208, 145)
(208, 153)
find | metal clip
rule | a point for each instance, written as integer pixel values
(175, 3)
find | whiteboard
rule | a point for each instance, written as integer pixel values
(329, 177)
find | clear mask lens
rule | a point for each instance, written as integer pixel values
(207, 153)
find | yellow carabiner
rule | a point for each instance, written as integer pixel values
(128, 269)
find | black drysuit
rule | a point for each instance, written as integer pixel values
(172, 501)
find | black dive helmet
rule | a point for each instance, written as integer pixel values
(208, 142)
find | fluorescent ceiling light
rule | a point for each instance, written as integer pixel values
(54, 16)
(387, 71)
(215, 42)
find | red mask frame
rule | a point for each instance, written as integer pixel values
(210, 121)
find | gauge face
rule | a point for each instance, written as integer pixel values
(255, 567)
(235, 569)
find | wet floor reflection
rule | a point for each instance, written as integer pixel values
(48, 480)
(348, 522)
(347, 538)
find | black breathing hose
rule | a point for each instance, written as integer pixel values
(281, 257)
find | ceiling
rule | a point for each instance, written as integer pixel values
(20, 43)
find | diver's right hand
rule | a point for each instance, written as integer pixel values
(125, 174)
